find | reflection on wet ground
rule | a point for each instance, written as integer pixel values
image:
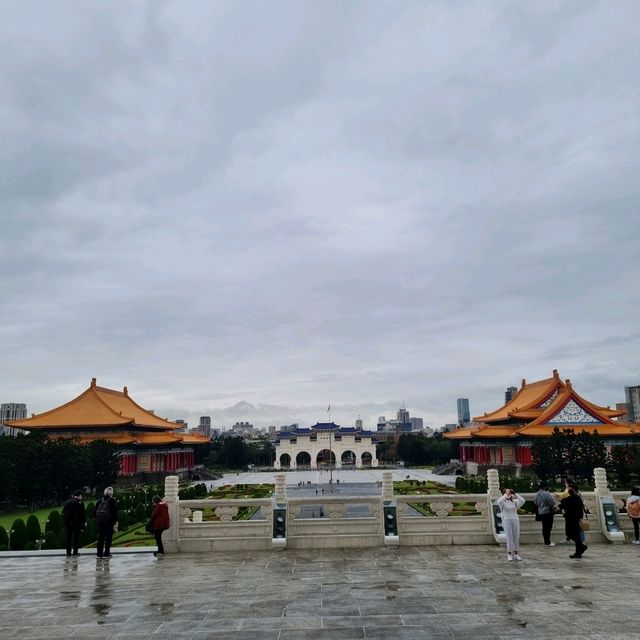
(432, 592)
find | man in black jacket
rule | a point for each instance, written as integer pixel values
(75, 521)
(106, 514)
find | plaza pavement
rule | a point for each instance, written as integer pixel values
(356, 476)
(427, 592)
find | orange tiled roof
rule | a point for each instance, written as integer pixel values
(96, 407)
(538, 420)
(529, 398)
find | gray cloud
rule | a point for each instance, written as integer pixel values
(295, 204)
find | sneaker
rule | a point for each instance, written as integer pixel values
(567, 541)
(551, 544)
(509, 557)
(636, 542)
(575, 555)
(518, 556)
(108, 556)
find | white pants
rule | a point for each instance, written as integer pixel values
(512, 531)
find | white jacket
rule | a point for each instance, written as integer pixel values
(508, 507)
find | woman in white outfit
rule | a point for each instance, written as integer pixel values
(509, 503)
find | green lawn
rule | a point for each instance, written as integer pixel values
(6, 519)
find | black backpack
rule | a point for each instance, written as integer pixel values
(103, 513)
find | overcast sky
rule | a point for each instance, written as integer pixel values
(251, 210)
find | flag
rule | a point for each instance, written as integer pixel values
(329, 409)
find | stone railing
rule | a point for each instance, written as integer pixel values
(356, 521)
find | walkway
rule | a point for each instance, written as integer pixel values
(322, 477)
(433, 592)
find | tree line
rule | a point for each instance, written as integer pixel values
(38, 471)
(234, 452)
(416, 450)
(566, 454)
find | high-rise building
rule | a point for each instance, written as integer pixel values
(464, 415)
(184, 426)
(623, 406)
(403, 415)
(417, 424)
(11, 411)
(204, 426)
(510, 394)
(632, 395)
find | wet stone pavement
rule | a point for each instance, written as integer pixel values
(426, 592)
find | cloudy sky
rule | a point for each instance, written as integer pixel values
(254, 209)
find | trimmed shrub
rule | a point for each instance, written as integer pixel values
(61, 538)
(141, 513)
(31, 546)
(54, 522)
(123, 521)
(34, 531)
(18, 536)
(50, 540)
(4, 538)
(89, 507)
(4, 547)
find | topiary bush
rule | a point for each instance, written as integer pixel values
(18, 537)
(61, 538)
(123, 521)
(34, 532)
(31, 546)
(4, 538)
(54, 522)
(50, 540)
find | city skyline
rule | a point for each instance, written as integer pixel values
(243, 210)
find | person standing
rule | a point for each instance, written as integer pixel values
(633, 511)
(573, 509)
(159, 522)
(106, 514)
(75, 521)
(509, 503)
(546, 504)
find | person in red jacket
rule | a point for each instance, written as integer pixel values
(159, 522)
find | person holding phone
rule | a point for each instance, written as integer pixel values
(509, 503)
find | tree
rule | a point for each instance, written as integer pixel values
(235, 453)
(105, 464)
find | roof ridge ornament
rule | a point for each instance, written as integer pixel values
(94, 382)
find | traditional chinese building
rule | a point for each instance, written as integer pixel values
(148, 443)
(324, 444)
(505, 435)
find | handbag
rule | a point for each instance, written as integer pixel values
(585, 525)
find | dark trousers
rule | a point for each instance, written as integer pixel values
(636, 528)
(575, 533)
(157, 534)
(105, 535)
(73, 537)
(547, 524)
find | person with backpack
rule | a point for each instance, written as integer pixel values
(159, 522)
(75, 521)
(633, 511)
(106, 514)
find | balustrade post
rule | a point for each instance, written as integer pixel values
(493, 483)
(606, 511)
(387, 485)
(171, 537)
(279, 509)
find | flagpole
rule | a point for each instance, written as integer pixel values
(330, 448)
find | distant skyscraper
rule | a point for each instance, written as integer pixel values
(464, 415)
(204, 427)
(11, 411)
(403, 415)
(623, 406)
(633, 402)
(510, 394)
(184, 426)
(417, 424)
